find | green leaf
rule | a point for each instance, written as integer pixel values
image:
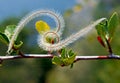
(70, 53)
(67, 58)
(57, 60)
(106, 29)
(4, 38)
(17, 46)
(69, 61)
(112, 24)
(63, 53)
(9, 31)
(102, 31)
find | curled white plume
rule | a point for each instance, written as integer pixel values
(57, 33)
(56, 16)
(52, 47)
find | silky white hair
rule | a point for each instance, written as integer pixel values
(51, 13)
(59, 29)
(68, 40)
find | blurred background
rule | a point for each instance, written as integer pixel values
(77, 14)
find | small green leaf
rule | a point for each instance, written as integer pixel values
(70, 53)
(67, 58)
(57, 60)
(4, 38)
(17, 46)
(102, 31)
(69, 61)
(63, 53)
(112, 24)
(48, 39)
(9, 31)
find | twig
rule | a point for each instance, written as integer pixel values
(26, 56)
(117, 57)
(2, 58)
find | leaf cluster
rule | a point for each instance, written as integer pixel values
(6, 36)
(66, 58)
(106, 30)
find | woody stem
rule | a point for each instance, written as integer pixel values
(109, 48)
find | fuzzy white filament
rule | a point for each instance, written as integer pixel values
(59, 25)
(56, 16)
(67, 41)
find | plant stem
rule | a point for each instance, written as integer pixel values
(109, 48)
(21, 53)
(101, 57)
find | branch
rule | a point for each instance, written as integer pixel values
(2, 58)
(117, 57)
(26, 56)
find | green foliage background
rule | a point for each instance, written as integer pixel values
(42, 70)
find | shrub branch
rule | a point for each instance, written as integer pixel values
(78, 58)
